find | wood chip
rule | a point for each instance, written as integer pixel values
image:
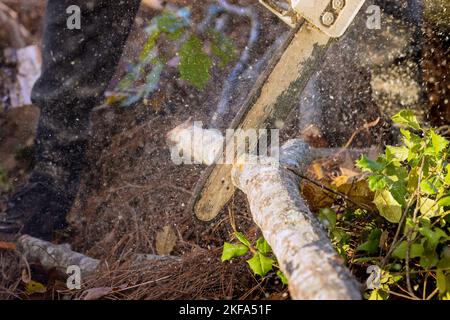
(166, 241)
(153, 4)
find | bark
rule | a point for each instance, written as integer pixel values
(301, 245)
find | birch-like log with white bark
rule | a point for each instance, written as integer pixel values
(51, 256)
(60, 257)
(300, 243)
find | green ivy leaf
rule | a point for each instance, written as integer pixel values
(366, 164)
(282, 277)
(429, 207)
(377, 182)
(194, 63)
(378, 294)
(447, 176)
(399, 192)
(372, 243)
(444, 201)
(428, 187)
(396, 153)
(416, 250)
(388, 207)
(263, 246)
(411, 140)
(407, 118)
(444, 263)
(432, 239)
(441, 281)
(439, 143)
(396, 173)
(231, 251)
(242, 238)
(260, 264)
(433, 236)
(429, 259)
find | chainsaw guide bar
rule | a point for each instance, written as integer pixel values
(275, 94)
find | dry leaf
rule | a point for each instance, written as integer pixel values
(317, 171)
(33, 287)
(340, 181)
(383, 239)
(350, 172)
(358, 191)
(165, 241)
(315, 196)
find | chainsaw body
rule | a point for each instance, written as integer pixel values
(332, 17)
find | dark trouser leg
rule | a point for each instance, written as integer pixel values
(77, 66)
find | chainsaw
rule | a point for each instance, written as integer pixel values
(278, 88)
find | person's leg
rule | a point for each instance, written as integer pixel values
(77, 66)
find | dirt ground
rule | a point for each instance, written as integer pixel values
(131, 190)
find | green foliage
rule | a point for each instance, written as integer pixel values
(339, 237)
(194, 63)
(328, 218)
(407, 118)
(262, 261)
(387, 280)
(263, 246)
(222, 47)
(242, 238)
(372, 243)
(231, 251)
(171, 34)
(388, 207)
(409, 236)
(282, 277)
(260, 264)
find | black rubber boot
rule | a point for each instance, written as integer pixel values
(40, 206)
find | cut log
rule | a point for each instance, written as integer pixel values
(302, 246)
(60, 257)
(300, 243)
(51, 256)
